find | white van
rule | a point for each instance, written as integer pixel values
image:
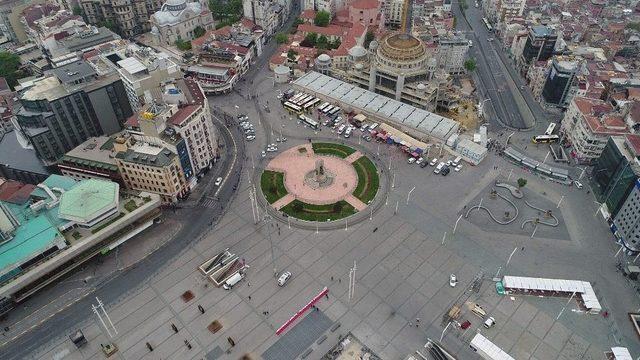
(234, 279)
(373, 126)
(348, 132)
(341, 129)
(456, 161)
(438, 168)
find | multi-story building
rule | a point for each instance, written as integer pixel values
(616, 172)
(147, 166)
(224, 56)
(394, 12)
(93, 159)
(142, 69)
(366, 12)
(177, 20)
(67, 48)
(68, 106)
(330, 6)
(180, 118)
(269, 14)
(537, 76)
(451, 52)
(626, 224)
(41, 22)
(561, 84)
(539, 46)
(399, 67)
(587, 126)
(130, 17)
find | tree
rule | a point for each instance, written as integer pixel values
(310, 40)
(322, 18)
(292, 54)
(298, 207)
(470, 64)
(77, 10)
(298, 22)
(522, 182)
(281, 38)
(336, 44)
(10, 68)
(322, 43)
(368, 38)
(199, 31)
(109, 25)
(183, 45)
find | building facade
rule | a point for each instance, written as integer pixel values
(93, 159)
(562, 82)
(130, 17)
(151, 168)
(393, 12)
(539, 46)
(451, 53)
(68, 106)
(626, 223)
(177, 20)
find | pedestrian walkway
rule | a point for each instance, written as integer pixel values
(355, 202)
(282, 202)
(353, 157)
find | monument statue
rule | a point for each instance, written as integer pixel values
(319, 177)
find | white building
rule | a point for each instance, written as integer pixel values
(393, 10)
(178, 18)
(451, 53)
(268, 14)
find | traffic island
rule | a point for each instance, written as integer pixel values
(320, 182)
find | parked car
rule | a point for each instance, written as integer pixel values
(264, 153)
(251, 137)
(445, 171)
(424, 164)
(577, 183)
(453, 280)
(218, 181)
(433, 162)
(489, 322)
(465, 325)
(411, 160)
(458, 168)
(367, 138)
(419, 161)
(282, 280)
(438, 168)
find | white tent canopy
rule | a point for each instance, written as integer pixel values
(580, 288)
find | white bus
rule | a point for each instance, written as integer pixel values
(296, 97)
(550, 129)
(486, 24)
(310, 104)
(324, 105)
(293, 108)
(334, 111)
(303, 100)
(312, 123)
(542, 139)
(327, 109)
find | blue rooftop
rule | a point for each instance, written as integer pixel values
(54, 181)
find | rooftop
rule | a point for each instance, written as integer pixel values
(71, 73)
(148, 155)
(88, 200)
(17, 157)
(93, 152)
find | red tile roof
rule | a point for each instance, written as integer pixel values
(183, 113)
(331, 30)
(634, 141)
(365, 4)
(132, 121)
(195, 91)
(21, 195)
(9, 188)
(308, 14)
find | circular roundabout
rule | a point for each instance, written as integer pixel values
(320, 181)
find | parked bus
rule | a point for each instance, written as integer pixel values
(334, 111)
(324, 105)
(550, 129)
(292, 108)
(486, 23)
(310, 104)
(312, 123)
(303, 100)
(296, 97)
(543, 139)
(328, 109)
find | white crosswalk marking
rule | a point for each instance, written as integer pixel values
(208, 202)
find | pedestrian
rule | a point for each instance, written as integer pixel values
(327, 296)
(417, 320)
(339, 280)
(248, 284)
(410, 324)
(174, 327)
(201, 308)
(249, 297)
(332, 278)
(149, 347)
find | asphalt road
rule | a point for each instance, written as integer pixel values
(507, 106)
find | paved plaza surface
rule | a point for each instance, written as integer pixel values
(405, 252)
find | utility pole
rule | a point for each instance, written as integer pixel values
(269, 225)
(352, 281)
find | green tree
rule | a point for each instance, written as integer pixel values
(298, 21)
(297, 207)
(322, 43)
(10, 68)
(291, 55)
(199, 31)
(281, 38)
(470, 64)
(183, 45)
(77, 10)
(368, 38)
(522, 182)
(335, 44)
(310, 40)
(322, 18)
(109, 25)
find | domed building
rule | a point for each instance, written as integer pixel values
(323, 64)
(398, 66)
(177, 19)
